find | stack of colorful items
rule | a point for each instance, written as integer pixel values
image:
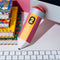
(8, 18)
(5, 10)
(13, 41)
(10, 31)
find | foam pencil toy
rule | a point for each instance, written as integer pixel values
(29, 28)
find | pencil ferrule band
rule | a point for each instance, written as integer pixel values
(37, 12)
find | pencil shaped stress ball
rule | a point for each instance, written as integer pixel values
(29, 28)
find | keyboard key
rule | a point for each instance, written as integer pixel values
(30, 55)
(39, 57)
(2, 57)
(18, 53)
(48, 52)
(14, 58)
(1, 53)
(6, 53)
(41, 52)
(51, 57)
(58, 57)
(8, 57)
(59, 52)
(21, 57)
(45, 57)
(30, 52)
(54, 52)
(11, 52)
(24, 53)
(27, 57)
(33, 57)
(36, 53)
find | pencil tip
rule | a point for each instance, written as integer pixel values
(19, 49)
(22, 44)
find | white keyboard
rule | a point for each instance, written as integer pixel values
(30, 55)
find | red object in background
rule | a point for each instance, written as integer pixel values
(24, 5)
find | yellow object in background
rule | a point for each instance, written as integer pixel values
(0, 0)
